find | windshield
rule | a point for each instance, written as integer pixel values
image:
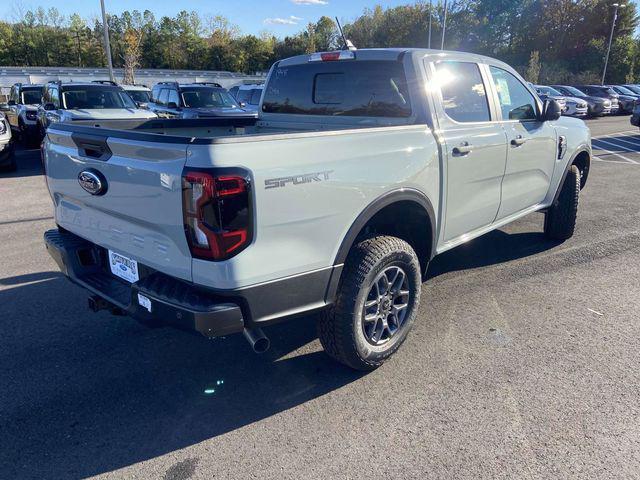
(256, 93)
(95, 98)
(549, 91)
(623, 91)
(202, 97)
(574, 91)
(31, 96)
(140, 96)
(635, 89)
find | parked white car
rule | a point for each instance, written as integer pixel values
(141, 94)
(7, 156)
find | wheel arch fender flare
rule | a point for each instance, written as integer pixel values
(579, 151)
(369, 212)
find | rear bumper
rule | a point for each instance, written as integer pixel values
(173, 302)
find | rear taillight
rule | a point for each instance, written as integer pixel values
(217, 212)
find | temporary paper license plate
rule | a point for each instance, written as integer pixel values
(123, 267)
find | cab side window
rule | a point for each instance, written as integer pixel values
(516, 102)
(464, 96)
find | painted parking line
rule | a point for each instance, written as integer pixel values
(631, 137)
(598, 159)
(634, 145)
(610, 142)
(616, 133)
(613, 153)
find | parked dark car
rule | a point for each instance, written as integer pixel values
(194, 100)
(597, 106)
(619, 103)
(627, 92)
(635, 116)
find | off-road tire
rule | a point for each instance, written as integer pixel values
(560, 219)
(340, 327)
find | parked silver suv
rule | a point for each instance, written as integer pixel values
(67, 101)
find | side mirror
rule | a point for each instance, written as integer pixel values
(11, 103)
(49, 106)
(172, 105)
(242, 104)
(551, 111)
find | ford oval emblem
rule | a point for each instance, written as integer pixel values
(93, 182)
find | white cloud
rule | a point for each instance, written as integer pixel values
(291, 20)
(310, 2)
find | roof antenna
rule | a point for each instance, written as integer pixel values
(348, 45)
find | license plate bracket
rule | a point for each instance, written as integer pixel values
(123, 267)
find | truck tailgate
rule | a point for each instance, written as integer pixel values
(140, 213)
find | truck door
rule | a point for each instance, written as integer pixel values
(475, 147)
(532, 145)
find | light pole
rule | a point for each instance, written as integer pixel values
(430, 14)
(613, 26)
(107, 46)
(444, 25)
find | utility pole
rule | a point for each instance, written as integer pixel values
(77, 32)
(430, 14)
(613, 26)
(107, 46)
(444, 24)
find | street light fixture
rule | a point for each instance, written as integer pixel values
(613, 26)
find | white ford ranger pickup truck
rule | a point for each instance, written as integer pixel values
(362, 166)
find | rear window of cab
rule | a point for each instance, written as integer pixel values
(339, 88)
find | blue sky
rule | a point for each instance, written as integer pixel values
(281, 17)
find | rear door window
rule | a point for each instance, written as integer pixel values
(342, 88)
(464, 96)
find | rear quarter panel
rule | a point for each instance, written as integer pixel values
(299, 228)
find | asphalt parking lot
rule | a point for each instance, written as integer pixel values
(523, 364)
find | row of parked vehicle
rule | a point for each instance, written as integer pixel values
(32, 108)
(592, 100)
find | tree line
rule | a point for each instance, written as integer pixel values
(549, 41)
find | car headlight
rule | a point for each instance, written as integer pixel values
(31, 115)
(3, 127)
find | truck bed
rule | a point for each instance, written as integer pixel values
(210, 130)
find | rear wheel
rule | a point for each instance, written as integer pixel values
(560, 219)
(376, 303)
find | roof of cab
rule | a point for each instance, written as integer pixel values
(391, 54)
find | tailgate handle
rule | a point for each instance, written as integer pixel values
(92, 146)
